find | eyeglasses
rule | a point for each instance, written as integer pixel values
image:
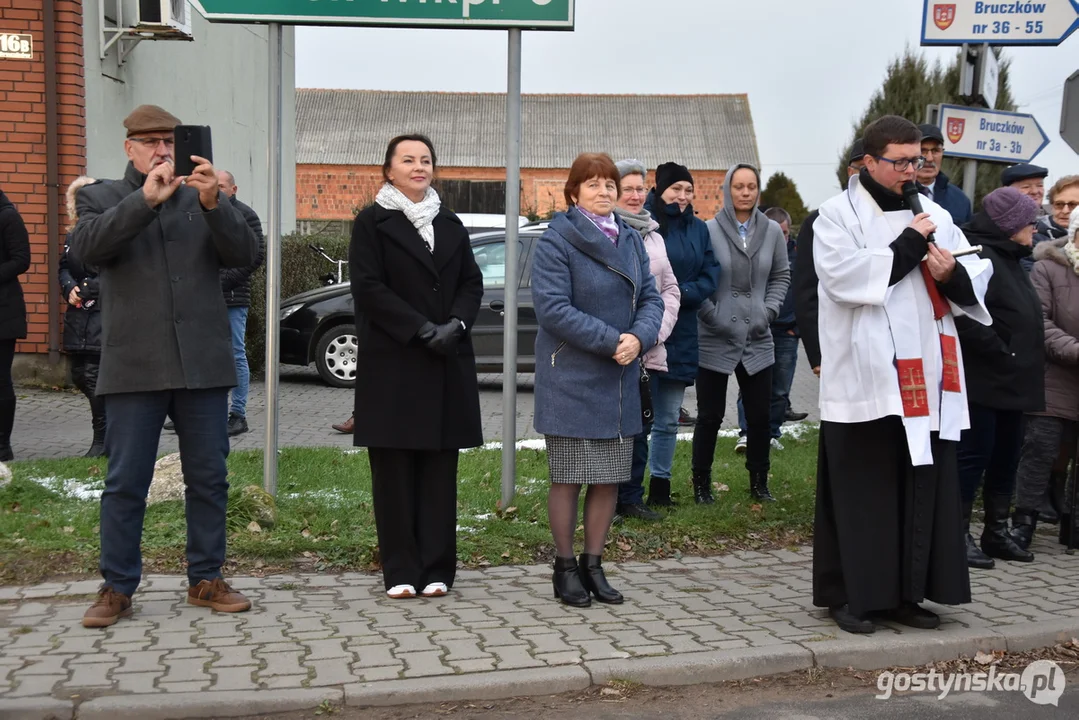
(902, 164)
(154, 142)
(634, 191)
(1069, 206)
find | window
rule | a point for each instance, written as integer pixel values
(491, 257)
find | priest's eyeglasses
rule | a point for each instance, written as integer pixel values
(902, 164)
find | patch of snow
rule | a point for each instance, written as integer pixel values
(72, 487)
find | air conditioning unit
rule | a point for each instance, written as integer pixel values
(164, 17)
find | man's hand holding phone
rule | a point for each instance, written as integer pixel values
(204, 179)
(160, 184)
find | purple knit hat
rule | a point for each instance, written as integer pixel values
(1010, 209)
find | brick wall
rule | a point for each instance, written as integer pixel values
(23, 144)
(333, 192)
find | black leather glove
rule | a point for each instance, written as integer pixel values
(425, 333)
(446, 336)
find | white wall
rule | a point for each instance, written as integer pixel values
(221, 80)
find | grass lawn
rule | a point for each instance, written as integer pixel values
(49, 514)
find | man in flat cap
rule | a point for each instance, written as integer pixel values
(934, 184)
(1030, 180)
(158, 241)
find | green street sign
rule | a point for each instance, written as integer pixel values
(477, 14)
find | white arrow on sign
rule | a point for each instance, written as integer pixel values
(992, 135)
(1002, 22)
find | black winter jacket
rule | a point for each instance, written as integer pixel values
(236, 282)
(14, 261)
(82, 325)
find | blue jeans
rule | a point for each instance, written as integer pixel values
(238, 323)
(782, 379)
(667, 398)
(131, 439)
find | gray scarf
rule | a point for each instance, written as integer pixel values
(642, 222)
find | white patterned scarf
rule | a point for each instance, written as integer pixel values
(420, 214)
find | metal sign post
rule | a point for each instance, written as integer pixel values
(513, 210)
(273, 254)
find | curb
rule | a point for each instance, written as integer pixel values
(912, 648)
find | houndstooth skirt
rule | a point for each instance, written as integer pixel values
(579, 461)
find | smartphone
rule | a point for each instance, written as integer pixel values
(191, 140)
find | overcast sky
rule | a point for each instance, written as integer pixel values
(809, 67)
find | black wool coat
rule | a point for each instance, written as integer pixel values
(1005, 362)
(408, 397)
(164, 324)
(82, 325)
(14, 261)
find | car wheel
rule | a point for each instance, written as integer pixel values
(335, 356)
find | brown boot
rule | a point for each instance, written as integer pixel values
(217, 595)
(347, 426)
(109, 607)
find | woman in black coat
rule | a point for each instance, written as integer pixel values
(417, 290)
(1004, 371)
(82, 325)
(14, 261)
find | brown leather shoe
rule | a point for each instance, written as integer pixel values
(217, 595)
(347, 426)
(109, 607)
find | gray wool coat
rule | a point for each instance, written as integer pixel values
(734, 324)
(164, 324)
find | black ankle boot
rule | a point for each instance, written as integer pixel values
(1023, 524)
(702, 489)
(595, 582)
(6, 453)
(996, 541)
(975, 557)
(758, 486)
(659, 492)
(97, 410)
(567, 583)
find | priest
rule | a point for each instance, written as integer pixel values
(892, 394)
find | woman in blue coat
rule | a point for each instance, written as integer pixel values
(690, 251)
(598, 311)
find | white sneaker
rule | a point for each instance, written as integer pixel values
(435, 590)
(740, 446)
(400, 592)
(776, 445)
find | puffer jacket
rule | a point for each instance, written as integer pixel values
(1057, 283)
(82, 325)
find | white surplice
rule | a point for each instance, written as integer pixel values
(865, 324)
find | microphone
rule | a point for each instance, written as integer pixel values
(914, 199)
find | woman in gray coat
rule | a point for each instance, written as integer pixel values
(598, 311)
(734, 325)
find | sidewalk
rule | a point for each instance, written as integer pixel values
(499, 634)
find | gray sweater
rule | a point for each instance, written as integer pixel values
(734, 322)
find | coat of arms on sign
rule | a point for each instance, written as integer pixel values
(944, 16)
(955, 129)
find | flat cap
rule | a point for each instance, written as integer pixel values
(1022, 171)
(857, 151)
(150, 118)
(931, 132)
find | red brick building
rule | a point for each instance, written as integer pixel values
(341, 136)
(42, 145)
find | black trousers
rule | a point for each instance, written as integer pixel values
(711, 404)
(415, 494)
(7, 390)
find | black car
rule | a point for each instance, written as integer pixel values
(319, 326)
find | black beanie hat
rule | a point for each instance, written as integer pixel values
(668, 174)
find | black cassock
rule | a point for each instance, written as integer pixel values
(886, 531)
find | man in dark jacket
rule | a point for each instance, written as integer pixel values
(236, 284)
(158, 241)
(934, 184)
(14, 261)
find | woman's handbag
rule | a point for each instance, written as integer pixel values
(646, 395)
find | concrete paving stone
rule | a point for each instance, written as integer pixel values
(335, 671)
(373, 674)
(280, 663)
(729, 644)
(304, 625)
(655, 628)
(174, 641)
(268, 634)
(457, 650)
(438, 624)
(458, 634)
(282, 647)
(230, 641)
(374, 655)
(237, 656)
(45, 665)
(93, 657)
(578, 634)
(511, 657)
(412, 642)
(30, 685)
(207, 705)
(139, 683)
(326, 649)
(625, 637)
(201, 653)
(31, 609)
(498, 636)
(185, 670)
(91, 676)
(422, 664)
(279, 682)
(35, 709)
(143, 661)
(547, 643)
(75, 645)
(479, 686)
(682, 644)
